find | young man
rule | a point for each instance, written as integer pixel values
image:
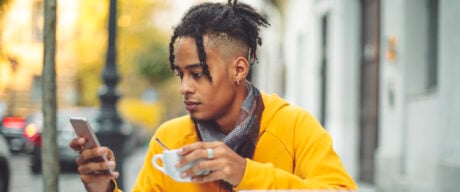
(250, 140)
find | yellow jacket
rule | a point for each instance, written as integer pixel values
(293, 152)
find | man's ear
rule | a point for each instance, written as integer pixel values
(241, 69)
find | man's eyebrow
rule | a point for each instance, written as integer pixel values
(187, 67)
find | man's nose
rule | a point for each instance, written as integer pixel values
(186, 86)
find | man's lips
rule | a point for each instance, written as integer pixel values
(191, 105)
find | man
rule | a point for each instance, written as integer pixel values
(249, 139)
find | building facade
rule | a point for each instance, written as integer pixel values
(381, 76)
(22, 46)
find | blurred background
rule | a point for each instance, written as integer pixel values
(382, 76)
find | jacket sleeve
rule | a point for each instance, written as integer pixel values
(315, 163)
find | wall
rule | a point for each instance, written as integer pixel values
(302, 47)
(22, 41)
(448, 166)
(391, 110)
(417, 144)
(421, 136)
(269, 73)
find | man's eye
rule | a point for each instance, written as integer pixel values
(197, 74)
(180, 75)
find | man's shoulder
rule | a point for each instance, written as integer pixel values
(181, 123)
(185, 119)
(278, 109)
(176, 131)
(275, 103)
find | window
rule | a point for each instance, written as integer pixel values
(324, 65)
(421, 55)
(432, 76)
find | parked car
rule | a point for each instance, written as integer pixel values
(4, 165)
(67, 157)
(12, 129)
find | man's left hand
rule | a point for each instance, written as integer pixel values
(222, 161)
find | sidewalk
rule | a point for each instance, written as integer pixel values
(133, 165)
(364, 187)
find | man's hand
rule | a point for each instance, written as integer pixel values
(92, 168)
(224, 165)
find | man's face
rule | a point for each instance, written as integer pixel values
(203, 98)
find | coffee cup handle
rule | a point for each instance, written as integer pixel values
(154, 161)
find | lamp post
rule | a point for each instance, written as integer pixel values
(109, 132)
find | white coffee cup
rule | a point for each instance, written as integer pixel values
(169, 159)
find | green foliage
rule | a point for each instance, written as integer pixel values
(90, 46)
(152, 63)
(3, 3)
(141, 48)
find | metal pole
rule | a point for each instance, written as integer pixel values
(109, 132)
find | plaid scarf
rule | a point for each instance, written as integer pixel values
(243, 138)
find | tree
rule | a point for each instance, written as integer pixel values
(50, 158)
(152, 62)
(142, 51)
(140, 45)
(143, 46)
(90, 45)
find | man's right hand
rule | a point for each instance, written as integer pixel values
(92, 168)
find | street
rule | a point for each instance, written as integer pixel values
(24, 181)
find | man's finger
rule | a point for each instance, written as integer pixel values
(77, 143)
(92, 177)
(96, 167)
(212, 176)
(198, 145)
(95, 153)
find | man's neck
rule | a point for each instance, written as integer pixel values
(227, 124)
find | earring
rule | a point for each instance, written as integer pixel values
(237, 82)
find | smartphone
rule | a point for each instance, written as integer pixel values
(83, 129)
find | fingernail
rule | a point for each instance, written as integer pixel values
(100, 151)
(183, 175)
(110, 163)
(81, 140)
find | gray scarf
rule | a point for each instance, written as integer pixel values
(242, 139)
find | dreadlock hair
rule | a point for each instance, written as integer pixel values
(238, 21)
